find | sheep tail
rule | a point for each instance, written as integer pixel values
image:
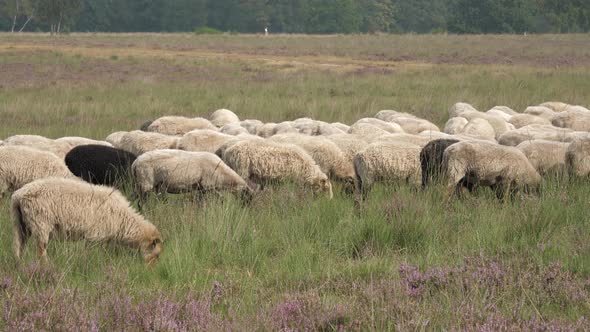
(21, 231)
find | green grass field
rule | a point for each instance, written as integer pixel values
(291, 261)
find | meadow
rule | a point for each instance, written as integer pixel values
(407, 261)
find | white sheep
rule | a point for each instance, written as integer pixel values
(251, 125)
(545, 156)
(455, 125)
(204, 140)
(387, 161)
(327, 155)
(479, 128)
(531, 132)
(266, 130)
(264, 161)
(390, 127)
(498, 113)
(176, 171)
(367, 131)
(577, 158)
(233, 129)
(459, 108)
(20, 165)
(72, 142)
(504, 109)
(556, 106)
(39, 143)
(521, 120)
(71, 209)
(349, 144)
(223, 117)
(115, 138)
(403, 138)
(178, 125)
(138, 142)
(478, 163)
(326, 129)
(341, 126)
(574, 119)
(542, 111)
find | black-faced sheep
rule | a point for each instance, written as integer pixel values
(71, 209)
(476, 163)
(100, 164)
(20, 165)
(262, 162)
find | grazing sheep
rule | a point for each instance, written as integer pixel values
(72, 142)
(573, 119)
(175, 171)
(179, 125)
(349, 144)
(266, 130)
(431, 159)
(99, 164)
(556, 106)
(498, 113)
(522, 120)
(531, 132)
(460, 108)
(421, 141)
(233, 129)
(144, 126)
(414, 125)
(263, 161)
(327, 155)
(577, 158)
(504, 109)
(541, 111)
(251, 125)
(285, 127)
(39, 143)
(367, 131)
(455, 125)
(390, 127)
(70, 209)
(387, 161)
(326, 129)
(138, 142)
(389, 115)
(222, 117)
(545, 156)
(341, 126)
(479, 128)
(20, 165)
(476, 163)
(115, 138)
(203, 140)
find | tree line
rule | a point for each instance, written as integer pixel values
(298, 16)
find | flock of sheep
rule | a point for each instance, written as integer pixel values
(65, 187)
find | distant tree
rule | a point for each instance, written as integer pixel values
(421, 16)
(18, 10)
(57, 12)
(378, 15)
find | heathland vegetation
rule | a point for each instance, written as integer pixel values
(289, 260)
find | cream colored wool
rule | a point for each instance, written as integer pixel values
(204, 140)
(223, 117)
(531, 132)
(175, 171)
(403, 138)
(577, 158)
(138, 142)
(389, 115)
(178, 125)
(37, 142)
(455, 125)
(556, 106)
(233, 129)
(573, 119)
(390, 127)
(488, 164)
(459, 108)
(266, 130)
(480, 129)
(544, 112)
(367, 131)
(522, 120)
(498, 113)
(545, 156)
(325, 153)
(115, 138)
(387, 161)
(71, 209)
(72, 142)
(285, 127)
(20, 165)
(504, 109)
(341, 126)
(251, 125)
(245, 137)
(263, 161)
(349, 144)
(327, 129)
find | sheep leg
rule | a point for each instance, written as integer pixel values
(42, 249)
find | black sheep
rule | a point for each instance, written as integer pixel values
(431, 158)
(100, 164)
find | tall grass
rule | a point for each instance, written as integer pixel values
(408, 260)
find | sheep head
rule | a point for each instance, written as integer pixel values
(151, 246)
(323, 185)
